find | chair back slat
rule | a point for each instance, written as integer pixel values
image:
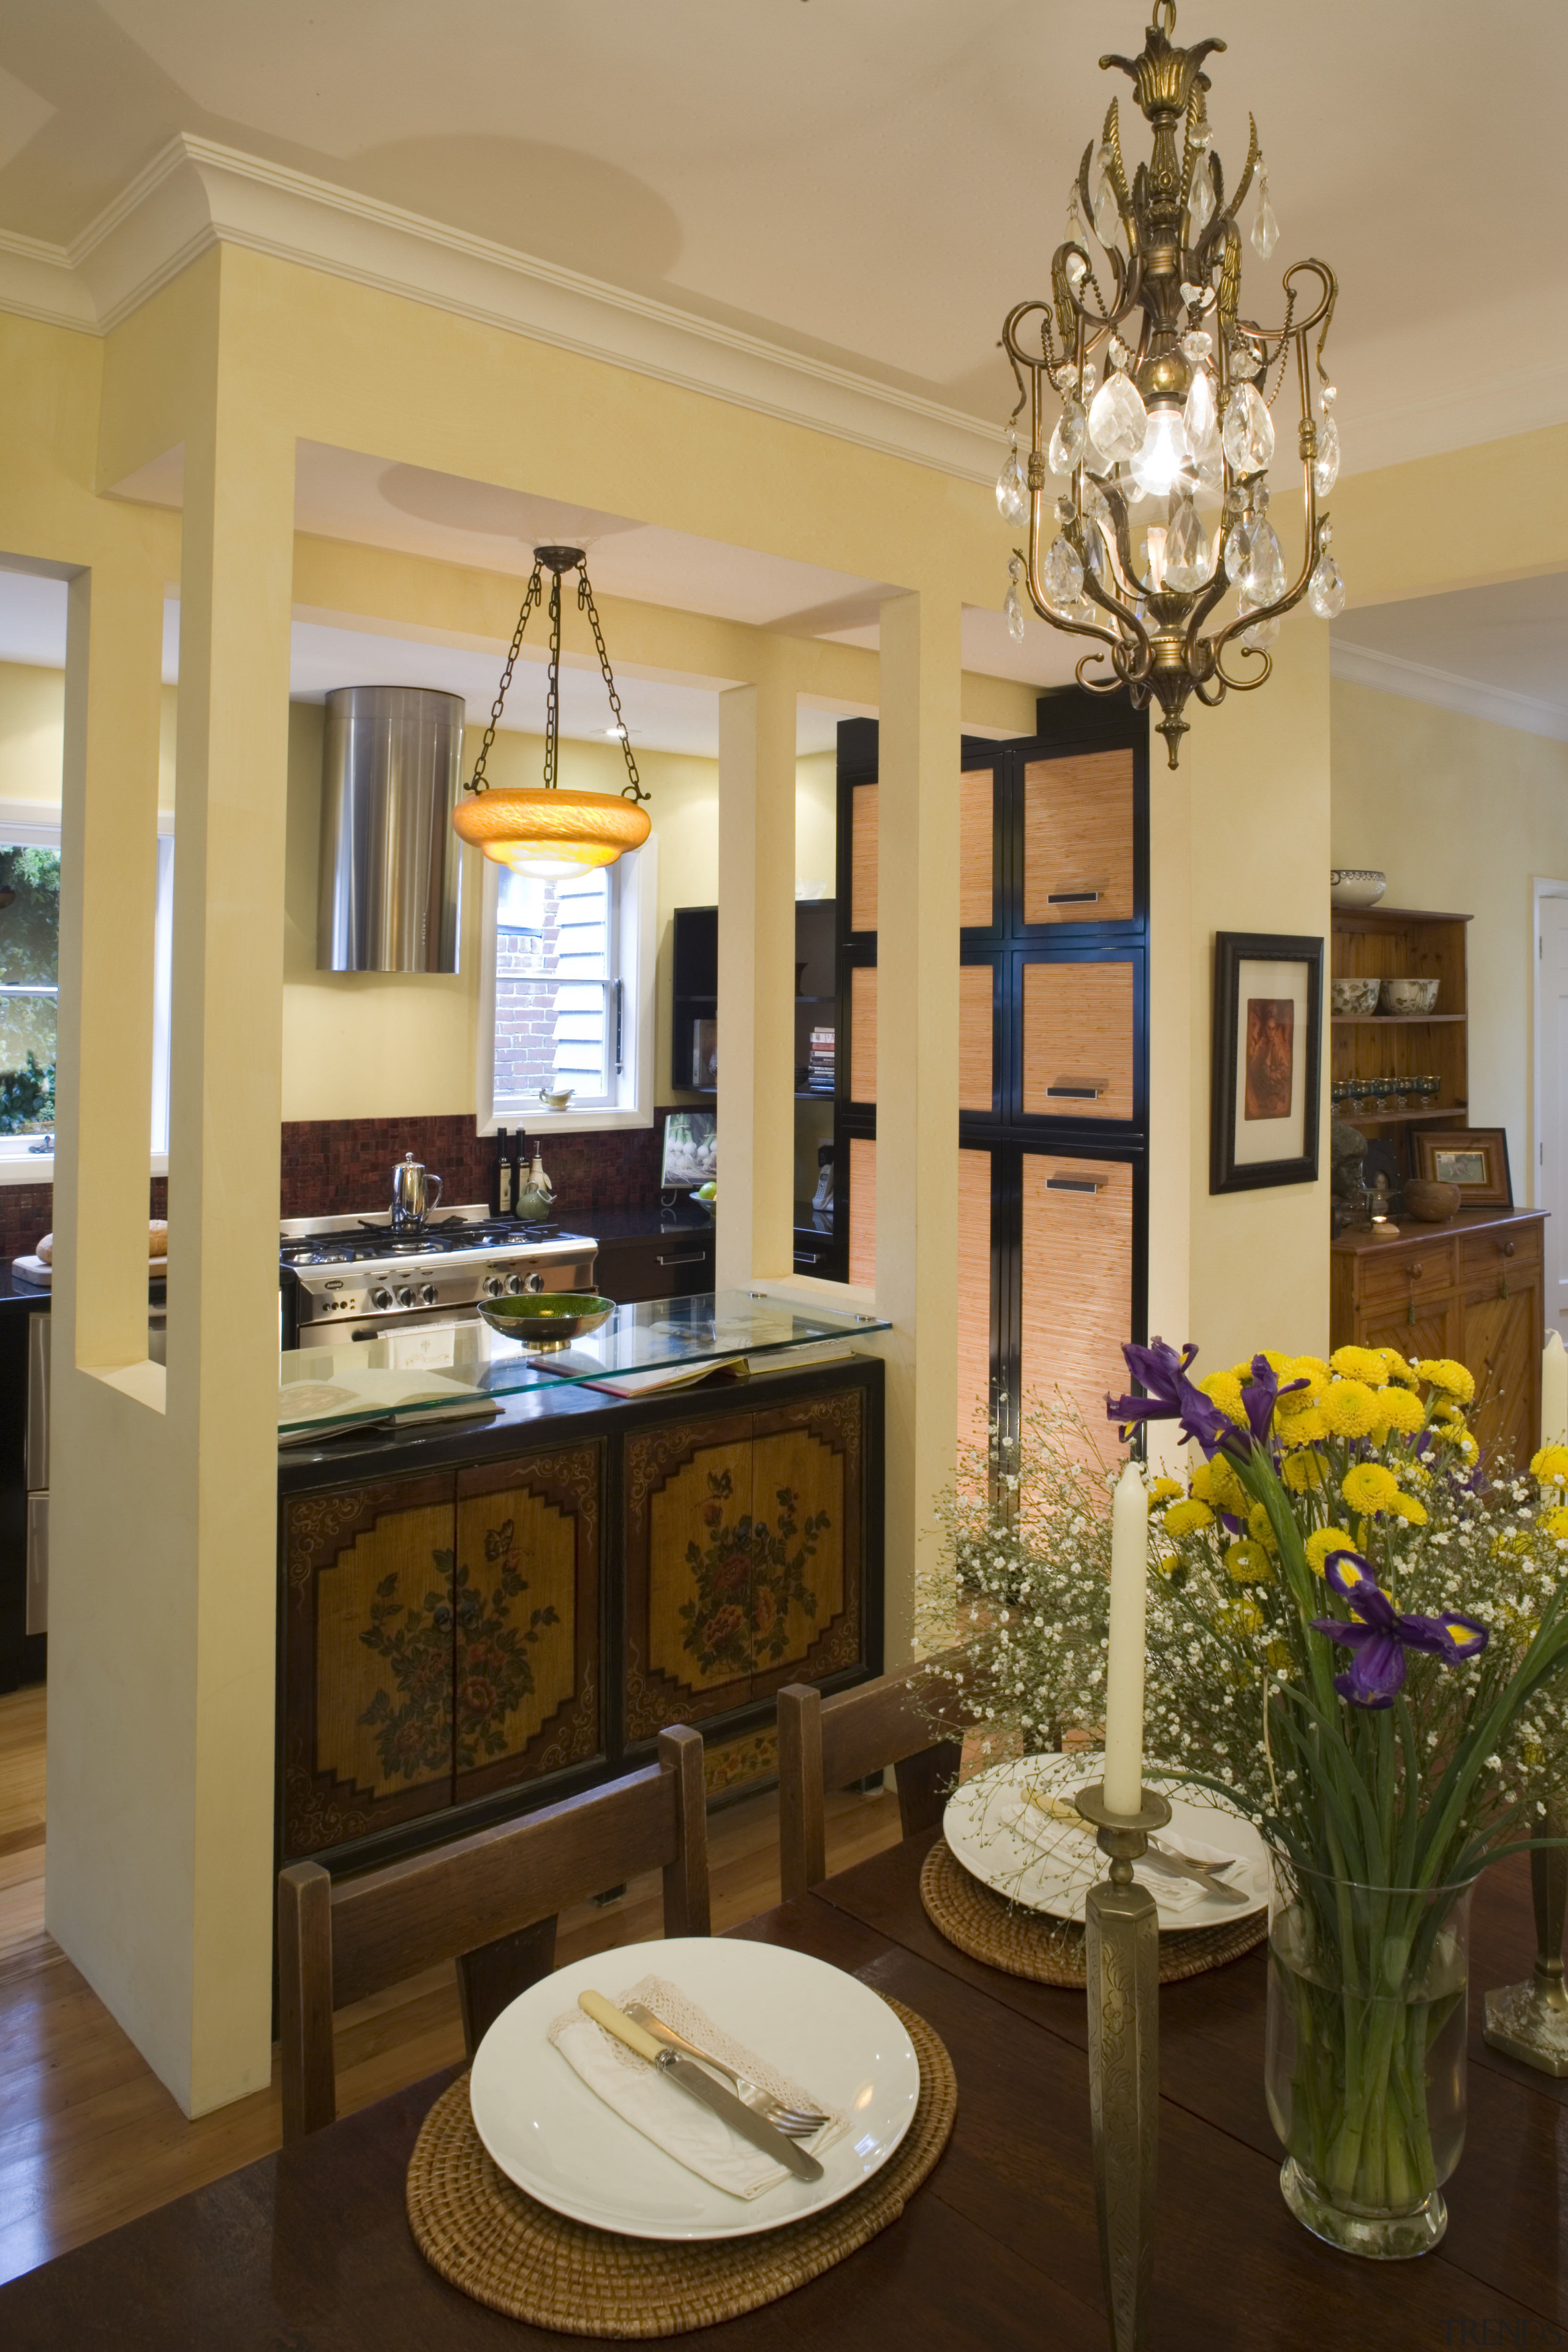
(393, 1922)
(489, 1901)
(830, 1743)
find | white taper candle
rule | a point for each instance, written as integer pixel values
(1124, 1658)
(1554, 1390)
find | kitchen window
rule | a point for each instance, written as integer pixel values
(568, 1001)
(29, 999)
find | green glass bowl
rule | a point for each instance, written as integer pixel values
(547, 1319)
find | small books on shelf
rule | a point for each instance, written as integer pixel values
(819, 1063)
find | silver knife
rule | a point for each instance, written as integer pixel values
(698, 2084)
(1160, 1857)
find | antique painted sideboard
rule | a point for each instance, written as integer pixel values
(474, 1619)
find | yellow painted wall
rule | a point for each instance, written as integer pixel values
(32, 722)
(1460, 814)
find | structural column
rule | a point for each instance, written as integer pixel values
(917, 1073)
(756, 980)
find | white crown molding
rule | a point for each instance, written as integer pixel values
(196, 194)
(1389, 674)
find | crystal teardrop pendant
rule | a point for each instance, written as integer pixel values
(1265, 565)
(1012, 605)
(1061, 574)
(1248, 431)
(1238, 551)
(1210, 462)
(1261, 635)
(1107, 211)
(1070, 440)
(1187, 559)
(1200, 202)
(1118, 419)
(1012, 492)
(1199, 416)
(1265, 227)
(1326, 590)
(1326, 464)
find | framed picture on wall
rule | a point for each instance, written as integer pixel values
(1473, 1158)
(1268, 1057)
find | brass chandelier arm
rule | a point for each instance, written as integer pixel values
(1293, 595)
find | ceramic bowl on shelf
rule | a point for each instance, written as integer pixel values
(1356, 885)
(1354, 995)
(1409, 995)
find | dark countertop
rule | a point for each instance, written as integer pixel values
(525, 1421)
(16, 1296)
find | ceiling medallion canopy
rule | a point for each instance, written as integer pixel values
(1147, 494)
(553, 831)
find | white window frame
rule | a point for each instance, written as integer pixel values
(637, 900)
(40, 829)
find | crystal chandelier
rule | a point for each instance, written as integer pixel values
(1168, 433)
(552, 831)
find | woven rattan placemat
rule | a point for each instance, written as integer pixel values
(485, 2235)
(1023, 1943)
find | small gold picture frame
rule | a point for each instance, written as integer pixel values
(1473, 1158)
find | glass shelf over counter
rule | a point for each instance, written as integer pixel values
(442, 1370)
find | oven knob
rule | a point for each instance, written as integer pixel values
(380, 1297)
(493, 1286)
(405, 1296)
(535, 1282)
(514, 1283)
(428, 1293)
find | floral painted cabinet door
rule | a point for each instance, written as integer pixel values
(367, 1659)
(528, 1675)
(745, 1558)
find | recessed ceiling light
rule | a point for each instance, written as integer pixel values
(616, 734)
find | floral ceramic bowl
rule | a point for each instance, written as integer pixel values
(1409, 995)
(1356, 885)
(1354, 995)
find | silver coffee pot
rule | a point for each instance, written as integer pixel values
(415, 1193)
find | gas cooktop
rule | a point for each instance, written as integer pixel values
(361, 1269)
(438, 1238)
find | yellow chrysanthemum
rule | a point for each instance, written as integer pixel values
(1308, 1428)
(1321, 1547)
(1165, 1490)
(1349, 1410)
(1307, 1367)
(1304, 1469)
(1406, 1507)
(1450, 1426)
(1293, 1402)
(1186, 1518)
(1401, 1410)
(1278, 1656)
(1556, 1523)
(1240, 1617)
(1442, 1372)
(1224, 1390)
(1249, 1562)
(1551, 1465)
(1359, 1364)
(1216, 1482)
(1396, 1367)
(1260, 1528)
(1369, 1487)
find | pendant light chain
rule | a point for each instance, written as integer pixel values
(533, 595)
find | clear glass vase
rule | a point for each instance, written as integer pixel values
(1365, 2063)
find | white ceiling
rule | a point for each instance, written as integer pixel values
(1500, 651)
(868, 182)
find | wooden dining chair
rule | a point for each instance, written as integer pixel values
(828, 1743)
(489, 1901)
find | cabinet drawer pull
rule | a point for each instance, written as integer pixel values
(1507, 1248)
(1077, 1183)
(809, 1257)
(1413, 1273)
(687, 1257)
(1072, 897)
(1076, 1093)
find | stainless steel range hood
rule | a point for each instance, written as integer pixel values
(391, 873)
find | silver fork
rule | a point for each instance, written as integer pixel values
(796, 2122)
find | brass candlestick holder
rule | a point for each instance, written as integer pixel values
(1530, 2021)
(1121, 1940)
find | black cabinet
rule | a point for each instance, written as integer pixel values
(677, 1263)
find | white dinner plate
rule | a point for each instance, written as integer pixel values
(827, 2031)
(1056, 1877)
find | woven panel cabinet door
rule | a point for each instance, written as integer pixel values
(974, 1300)
(1076, 1289)
(528, 1675)
(1077, 1040)
(367, 1664)
(1078, 839)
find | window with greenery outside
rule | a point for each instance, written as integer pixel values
(29, 987)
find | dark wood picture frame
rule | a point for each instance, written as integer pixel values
(1232, 949)
(1497, 1190)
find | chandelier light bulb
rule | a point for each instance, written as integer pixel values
(1162, 453)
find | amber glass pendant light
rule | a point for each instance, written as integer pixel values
(553, 831)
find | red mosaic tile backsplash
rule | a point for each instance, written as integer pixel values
(27, 1213)
(333, 1167)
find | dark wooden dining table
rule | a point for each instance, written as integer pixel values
(309, 2250)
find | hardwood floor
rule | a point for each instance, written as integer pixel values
(89, 2137)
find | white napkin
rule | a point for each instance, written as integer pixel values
(667, 2114)
(1040, 1830)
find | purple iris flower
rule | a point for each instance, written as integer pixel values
(1377, 1636)
(1170, 1396)
(1261, 1395)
